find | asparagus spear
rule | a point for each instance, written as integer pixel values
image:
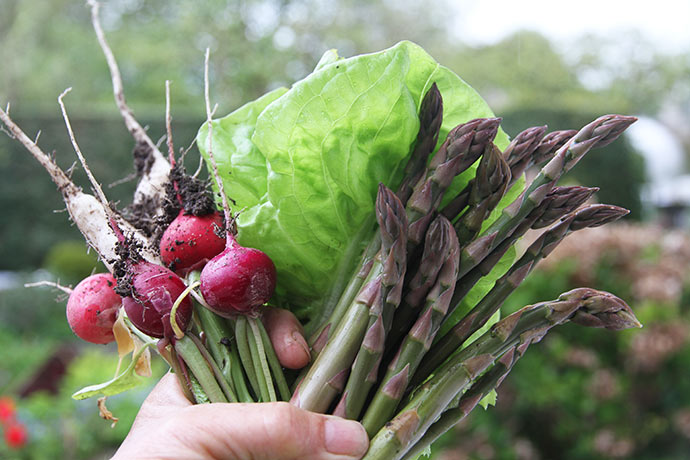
(464, 145)
(326, 377)
(488, 382)
(366, 365)
(430, 118)
(550, 144)
(520, 151)
(489, 185)
(418, 340)
(590, 216)
(517, 153)
(436, 244)
(559, 202)
(461, 148)
(583, 306)
(599, 133)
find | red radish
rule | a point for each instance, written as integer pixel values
(154, 290)
(238, 280)
(92, 308)
(192, 237)
(191, 241)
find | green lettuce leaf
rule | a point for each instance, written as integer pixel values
(303, 164)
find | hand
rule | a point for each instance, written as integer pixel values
(169, 426)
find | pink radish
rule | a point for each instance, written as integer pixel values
(92, 308)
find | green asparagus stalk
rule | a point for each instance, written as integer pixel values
(430, 119)
(463, 146)
(436, 245)
(550, 144)
(599, 133)
(364, 373)
(327, 375)
(589, 216)
(519, 152)
(419, 339)
(482, 387)
(558, 203)
(490, 184)
(341, 293)
(583, 306)
(516, 154)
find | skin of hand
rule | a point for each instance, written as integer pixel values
(168, 426)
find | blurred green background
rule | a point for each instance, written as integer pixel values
(579, 395)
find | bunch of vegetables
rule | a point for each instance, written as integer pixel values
(386, 203)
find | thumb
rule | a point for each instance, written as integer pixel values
(273, 431)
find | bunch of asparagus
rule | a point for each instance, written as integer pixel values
(378, 357)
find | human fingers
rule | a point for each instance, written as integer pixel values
(285, 333)
(271, 431)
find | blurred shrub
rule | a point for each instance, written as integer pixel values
(70, 261)
(34, 331)
(60, 427)
(595, 394)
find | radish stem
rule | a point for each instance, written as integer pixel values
(238, 376)
(245, 353)
(273, 362)
(263, 373)
(263, 347)
(189, 351)
(224, 385)
(179, 333)
(181, 374)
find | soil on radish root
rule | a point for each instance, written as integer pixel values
(143, 216)
(194, 193)
(128, 252)
(143, 158)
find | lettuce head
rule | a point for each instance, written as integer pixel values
(302, 165)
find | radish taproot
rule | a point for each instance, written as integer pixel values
(92, 308)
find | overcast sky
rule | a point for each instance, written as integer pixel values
(666, 22)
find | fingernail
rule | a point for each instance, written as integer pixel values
(298, 339)
(345, 437)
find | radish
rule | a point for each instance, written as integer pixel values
(193, 237)
(153, 291)
(149, 291)
(234, 284)
(92, 308)
(239, 279)
(190, 241)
